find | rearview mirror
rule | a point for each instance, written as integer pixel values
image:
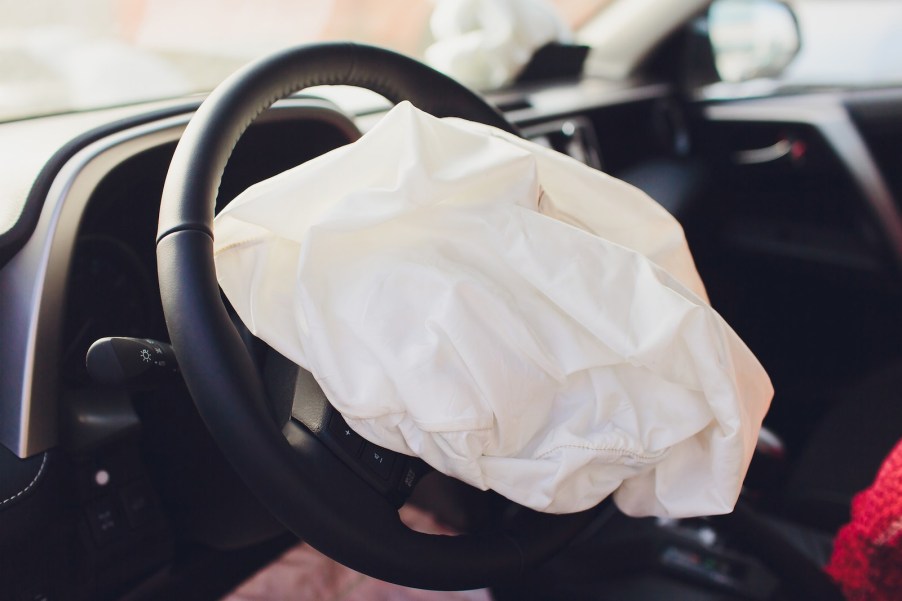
(752, 39)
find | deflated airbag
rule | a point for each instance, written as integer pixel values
(518, 320)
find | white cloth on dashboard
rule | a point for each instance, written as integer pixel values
(486, 43)
(518, 320)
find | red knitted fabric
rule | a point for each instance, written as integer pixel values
(867, 552)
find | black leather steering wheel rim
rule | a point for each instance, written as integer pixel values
(303, 484)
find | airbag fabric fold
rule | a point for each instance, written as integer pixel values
(518, 320)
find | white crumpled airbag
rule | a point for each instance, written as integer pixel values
(485, 44)
(518, 320)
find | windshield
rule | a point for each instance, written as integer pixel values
(847, 43)
(62, 56)
(66, 56)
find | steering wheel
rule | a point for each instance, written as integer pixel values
(300, 481)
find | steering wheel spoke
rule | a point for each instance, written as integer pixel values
(393, 475)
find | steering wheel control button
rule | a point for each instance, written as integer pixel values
(378, 460)
(347, 439)
(410, 475)
(104, 520)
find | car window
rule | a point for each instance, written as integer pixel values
(847, 43)
(60, 56)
